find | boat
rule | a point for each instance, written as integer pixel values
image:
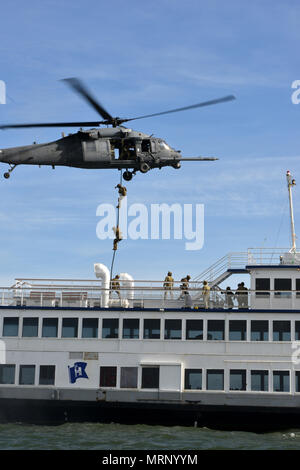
(79, 350)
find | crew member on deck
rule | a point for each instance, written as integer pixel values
(229, 297)
(184, 286)
(168, 285)
(206, 294)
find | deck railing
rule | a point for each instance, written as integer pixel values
(145, 294)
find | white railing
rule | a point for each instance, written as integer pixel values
(145, 294)
(239, 260)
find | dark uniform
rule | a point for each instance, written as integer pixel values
(115, 285)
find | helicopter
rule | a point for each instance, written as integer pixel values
(112, 147)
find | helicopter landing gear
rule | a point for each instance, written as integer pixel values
(7, 174)
(144, 167)
(127, 175)
(177, 166)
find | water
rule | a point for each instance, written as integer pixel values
(93, 437)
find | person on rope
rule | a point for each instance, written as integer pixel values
(122, 193)
(118, 237)
(115, 285)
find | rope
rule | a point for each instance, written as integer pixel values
(118, 219)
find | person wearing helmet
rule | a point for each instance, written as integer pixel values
(122, 193)
(206, 294)
(168, 285)
(115, 285)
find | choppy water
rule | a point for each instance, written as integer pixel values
(88, 436)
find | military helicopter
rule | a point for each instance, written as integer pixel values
(115, 147)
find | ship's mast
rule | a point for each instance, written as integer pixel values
(291, 182)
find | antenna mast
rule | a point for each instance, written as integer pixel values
(291, 182)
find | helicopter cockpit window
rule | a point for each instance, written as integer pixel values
(163, 145)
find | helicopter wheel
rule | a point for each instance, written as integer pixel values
(127, 176)
(144, 167)
(6, 175)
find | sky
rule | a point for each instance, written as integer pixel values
(141, 58)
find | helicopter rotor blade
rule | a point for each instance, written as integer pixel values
(53, 124)
(185, 108)
(198, 159)
(78, 86)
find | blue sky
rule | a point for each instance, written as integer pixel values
(140, 58)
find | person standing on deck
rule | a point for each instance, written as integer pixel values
(206, 294)
(168, 285)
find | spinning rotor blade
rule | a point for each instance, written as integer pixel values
(77, 85)
(198, 159)
(199, 105)
(53, 124)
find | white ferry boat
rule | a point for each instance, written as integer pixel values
(74, 350)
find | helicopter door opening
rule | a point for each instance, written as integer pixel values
(97, 151)
(128, 150)
(146, 146)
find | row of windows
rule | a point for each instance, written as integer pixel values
(259, 380)
(193, 378)
(129, 328)
(278, 284)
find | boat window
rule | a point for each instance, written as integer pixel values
(129, 376)
(50, 327)
(47, 375)
(237, 330)
(70, 328)
(7, 374)
(259, 330)
(237, 379)
(131, 328)
(30, 327)
(90, 328)
(281, 330)
(193, 379)
(297, 381)
(281, 381)
(10, 326)
(108, 376)
(215, 329)
(297, 330)
(259, 380)
(283, 285)
(173, 329)
(298, 287)
(262, 284)
(110, 328)
(152, 328)
(215, 379)
(150, 377)
(194, 329)
(26, 375)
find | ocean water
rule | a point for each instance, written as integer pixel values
(93, 437)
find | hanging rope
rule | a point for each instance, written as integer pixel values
(118, 237)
